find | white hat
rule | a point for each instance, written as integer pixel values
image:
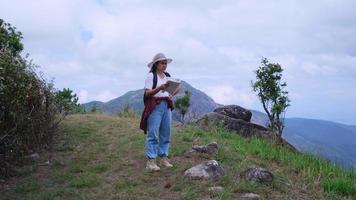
(158, 57)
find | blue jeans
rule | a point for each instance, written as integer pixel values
(158, 131)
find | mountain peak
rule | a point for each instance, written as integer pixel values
(200, 102)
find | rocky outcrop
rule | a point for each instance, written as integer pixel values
(235, 112)
(237, 119)
(238, 125)
(207, 170)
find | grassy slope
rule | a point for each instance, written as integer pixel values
(101, 157)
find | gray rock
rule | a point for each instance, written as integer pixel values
(257, 174)
(238, 125)
(207, 170)
(45, 163)
(210, 148)
(250, 196)
(215, 189)
(235, 112)
(35, 156)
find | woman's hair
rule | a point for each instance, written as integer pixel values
(154, 67)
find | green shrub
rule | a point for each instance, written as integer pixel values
(28, 110)
(127, 112)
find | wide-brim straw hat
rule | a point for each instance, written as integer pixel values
(159, 57)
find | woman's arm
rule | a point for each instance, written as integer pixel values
(151, 93)
(176, 91)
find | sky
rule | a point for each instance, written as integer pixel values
(100, 48)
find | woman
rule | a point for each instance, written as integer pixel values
(157, 116)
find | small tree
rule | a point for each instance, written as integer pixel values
(182, 104)
(127, 112)
(95, 108)
(270, 92)
(67, 101)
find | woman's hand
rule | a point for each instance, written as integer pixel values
(176, 91)
(163, 86)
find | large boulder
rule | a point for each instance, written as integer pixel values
(207, 170)
(240, 126)
(235, 111)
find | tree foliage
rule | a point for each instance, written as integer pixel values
(271, 93)
(182, 104)
(67, 101)
(29, 114)
(10, 38)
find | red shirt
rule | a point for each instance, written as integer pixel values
(150, 106)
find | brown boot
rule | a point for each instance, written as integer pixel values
(165, 162)
(152, 166)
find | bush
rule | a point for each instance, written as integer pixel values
(28, 110)
(127, 112)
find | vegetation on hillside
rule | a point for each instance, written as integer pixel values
(30, 107)
(102, 157)
(271, 93)
(182, 104)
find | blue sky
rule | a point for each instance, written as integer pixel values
(100, 49)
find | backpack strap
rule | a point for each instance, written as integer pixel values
(154, 84)
(155, 79)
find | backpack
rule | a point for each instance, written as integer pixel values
(154, 85)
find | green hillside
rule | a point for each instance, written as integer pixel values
(101, 157)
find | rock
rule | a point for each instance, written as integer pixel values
(45, 163)
(35, 156)
(257, 174)
(238, 125)
(210, 148)
(207, 170)
(235, 112)
(215, 189)
(250, 196)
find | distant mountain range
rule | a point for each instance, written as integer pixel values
(331, 140)
(334, 141)
(200, 102)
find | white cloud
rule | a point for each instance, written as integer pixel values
(105, 96)
(214, 44)
(83, 96)
(227, 94)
